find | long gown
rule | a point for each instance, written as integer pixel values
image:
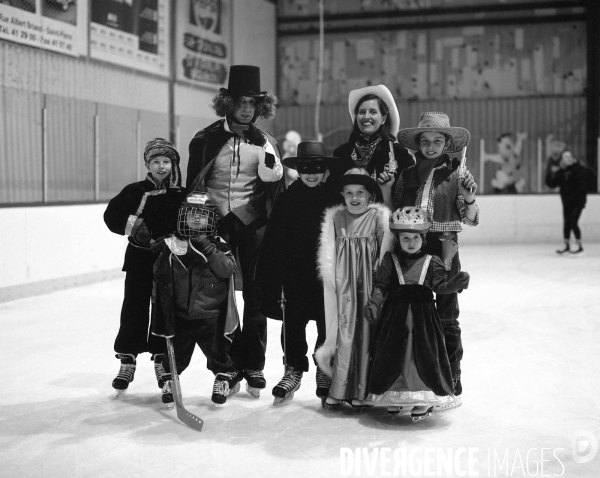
(410, 362)
(356, 248)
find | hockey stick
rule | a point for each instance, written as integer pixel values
(282, 305)
(186, 417)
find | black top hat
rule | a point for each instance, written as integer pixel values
(244, 80)
(309, 152)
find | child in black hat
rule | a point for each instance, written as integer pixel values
(144, 211)
(288, 262)
(354, 238)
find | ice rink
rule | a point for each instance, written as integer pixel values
(531, 399)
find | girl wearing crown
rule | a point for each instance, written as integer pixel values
(410, 365)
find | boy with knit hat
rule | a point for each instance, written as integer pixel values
(145, 212)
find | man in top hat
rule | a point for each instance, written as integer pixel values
(239, 164)
(288, 261)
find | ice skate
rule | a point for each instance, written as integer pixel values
(567, 248)
(226, 385)
(457, 401)
(286, 387)
(394, 411)
(576, 252)
(167, 393)
(126, 373)
(159, 370)
(323, 384)
(255, 382)
(420, 413)
(332, 404)
(358, 405)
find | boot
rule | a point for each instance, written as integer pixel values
(167, 391)
(323, 384)
(126, 372)
(286, 387)
(579, 249)
(159, 370)
(567, 248)
(255, 382)
(225, 385)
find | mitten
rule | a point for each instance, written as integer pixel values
(269, 160)
(462, 279)
(203, 244)
(372, 308)
(140, 232)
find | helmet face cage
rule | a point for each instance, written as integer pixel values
(410, 219)
(194, 220)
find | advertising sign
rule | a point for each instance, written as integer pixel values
(57, 25)
(133, 33)
(204, 42)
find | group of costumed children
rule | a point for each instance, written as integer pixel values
(360, 251)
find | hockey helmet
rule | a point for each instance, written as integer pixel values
(198, 214)
(410, 219)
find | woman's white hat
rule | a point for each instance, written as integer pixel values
(439, 122)
(382, 92)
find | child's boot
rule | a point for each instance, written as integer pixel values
(126, 372)
(286, 387)
(323, 384)
(567, 248)
(159, 370)
(225, 385)
(255, 382)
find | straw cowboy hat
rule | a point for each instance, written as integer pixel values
(382, 92)
(439, 122)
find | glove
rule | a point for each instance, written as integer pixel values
(269, 160)
(140, 232)
(462, 280)
(373, 306)
(371, 312)
(204, 245)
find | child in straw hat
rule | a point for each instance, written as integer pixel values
(446, 191)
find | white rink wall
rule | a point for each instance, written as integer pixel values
(56, 247)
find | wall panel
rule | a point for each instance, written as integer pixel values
(70, 149)
(21, 174)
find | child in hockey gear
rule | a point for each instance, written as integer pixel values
(571, 176)
(144, 211)
(288, 261)
(410, 364)
(194, 293)
(354, 238)
(446, 190)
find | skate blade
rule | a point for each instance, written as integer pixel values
(234, 390)
(171, 406)
(394, 411)
(254, 392)
(120, 393)
(422, 416)
(277, 401)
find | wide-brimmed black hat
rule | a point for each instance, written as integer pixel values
(357, 176)
(312, 152)
(244, 80)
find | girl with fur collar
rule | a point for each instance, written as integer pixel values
(354, 238)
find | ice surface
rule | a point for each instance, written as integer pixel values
(531, 332)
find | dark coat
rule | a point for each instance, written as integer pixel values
(380, 158)
(159, 212)
(288, 255)
(573, 182)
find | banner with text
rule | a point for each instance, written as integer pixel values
(58, 25)
(204, 42)
(133, 33)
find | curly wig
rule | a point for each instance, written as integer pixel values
(224, 105)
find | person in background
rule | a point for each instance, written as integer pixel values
(145, 212)
(239, 164)
(289, 145)
(571, 177)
